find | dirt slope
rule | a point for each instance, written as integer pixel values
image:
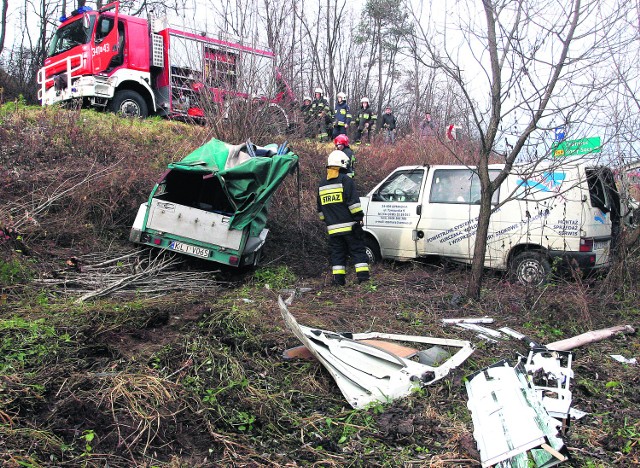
(185, 368)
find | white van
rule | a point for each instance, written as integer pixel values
(567, 211)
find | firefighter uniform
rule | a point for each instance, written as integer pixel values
(321, 112)
(365, 121)
(341, 117)
(339, 207)
(307, 117)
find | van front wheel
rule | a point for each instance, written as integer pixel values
(531, 268)
(372, 250)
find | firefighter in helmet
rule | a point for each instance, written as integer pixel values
(339, 207)
(321, 113)
(365, 121)
(342, 144)
(307, 117)
(341, 116)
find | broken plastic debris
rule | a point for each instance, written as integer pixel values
(519, 336)
(480, 329)
(512, 333)
(486, 338)
(550, 374)
(576, 414)
(622, 359)
(509, 419)
(453, 321)
(366, 373)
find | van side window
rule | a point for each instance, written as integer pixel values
(458, 186)
(403, 186)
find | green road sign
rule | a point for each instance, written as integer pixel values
(576, 147)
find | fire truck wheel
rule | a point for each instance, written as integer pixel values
(129, 104)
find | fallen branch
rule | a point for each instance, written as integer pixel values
(589, 337)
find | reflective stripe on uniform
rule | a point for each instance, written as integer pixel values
(321, 215)
(362, 267)
(341, 227)
(332, 188)
(355, 208)
(331, 194)
(339, 270)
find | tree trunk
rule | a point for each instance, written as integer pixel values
(484, 218)
(3, 23)
(479, 249)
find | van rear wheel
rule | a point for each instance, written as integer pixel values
(531, 268)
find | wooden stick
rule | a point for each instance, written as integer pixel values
(589, 337)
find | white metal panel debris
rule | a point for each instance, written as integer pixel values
(550, 374)
(453, 321)
(509, 420)
(366, 373)
(480, 329)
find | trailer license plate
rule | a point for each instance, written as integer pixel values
(600, 245)
(189, 249)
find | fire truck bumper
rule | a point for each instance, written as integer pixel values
(84, 86)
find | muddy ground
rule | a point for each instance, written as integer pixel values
(183, 367)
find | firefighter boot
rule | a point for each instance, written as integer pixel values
(338, 280)
(362, 272)
(339, 273)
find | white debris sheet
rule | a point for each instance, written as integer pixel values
(366, 373)
(509, 420)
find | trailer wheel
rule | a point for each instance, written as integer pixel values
(273, 120)
(372, 250)
(530, 268)
(129, 103)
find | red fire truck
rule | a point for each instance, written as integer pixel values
(137, 68)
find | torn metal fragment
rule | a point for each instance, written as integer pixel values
(510, 423)
(453, 321)
(622, 359)
(480, 329)
(486, 338)
(576, 414)
(366, 373)
(550, 374)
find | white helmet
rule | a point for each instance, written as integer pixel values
(318, 90)
(365, 99)
(337, 158)
(307, 98)
(342, 95)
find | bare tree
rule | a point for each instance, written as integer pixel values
(3, 23)
(534, 73)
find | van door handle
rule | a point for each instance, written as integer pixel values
(419, 210)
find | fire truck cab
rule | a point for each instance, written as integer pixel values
(126, 64)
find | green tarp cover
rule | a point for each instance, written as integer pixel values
(249, 185)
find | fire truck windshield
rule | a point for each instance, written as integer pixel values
(69, 36)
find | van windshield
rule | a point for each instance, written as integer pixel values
(70, 36)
